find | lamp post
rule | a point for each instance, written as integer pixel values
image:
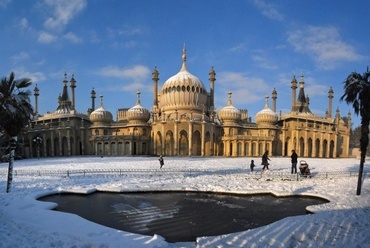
(37, 140)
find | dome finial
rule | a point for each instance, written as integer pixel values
(229, 98)
(183, 68)
(138, 97)
(101, 100)
(267, 102)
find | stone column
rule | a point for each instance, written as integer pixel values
(190, 137)
(203, 138)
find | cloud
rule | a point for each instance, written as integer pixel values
(264, 62)
(133, 78)
(125, 44)
(20, 57)
(63, 12)
(324, 45)
(23, 23)
(134, 72)
(126, 31)
(238, 47)
(4, 3)
(72, 37)
(34, 76)
(45, 37)
(245, 89)
(268, 10)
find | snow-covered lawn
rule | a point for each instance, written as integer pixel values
(26, 222)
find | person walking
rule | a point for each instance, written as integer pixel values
(265, 162)
(294, 158)
(161, 162)
(252, 165)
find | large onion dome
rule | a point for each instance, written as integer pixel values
(100, 115)
(229, 114)
(138, 113)
(266, 117)
(183, 91)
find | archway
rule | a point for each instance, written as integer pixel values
(158, 141)
(301, 147)
(309, 147)
(207, 144)
(183, 143)
(196, 148)
(317, 147)
(169, 146)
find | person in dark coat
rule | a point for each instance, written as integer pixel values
(161, 162)
(265, 162)
(252, 165)
(294, 158)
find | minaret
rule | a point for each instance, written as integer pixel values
(294, 93)
(212, 79)
(274, 97)
(93, 96)
(73, 86)
(155, 79)
(330, 96)
(36, 94)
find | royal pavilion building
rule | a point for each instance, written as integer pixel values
(183, 122)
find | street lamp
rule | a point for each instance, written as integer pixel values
(37, 140)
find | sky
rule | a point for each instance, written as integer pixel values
(254, 46)
(26, 222)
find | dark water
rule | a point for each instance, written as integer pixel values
(180, 216)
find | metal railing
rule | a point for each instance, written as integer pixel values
(270, 175)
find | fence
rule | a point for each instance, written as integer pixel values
(270, 175)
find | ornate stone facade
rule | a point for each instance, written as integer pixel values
(183, 122)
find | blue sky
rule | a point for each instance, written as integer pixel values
(254, 46)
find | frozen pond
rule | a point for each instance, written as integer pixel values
(182, 216)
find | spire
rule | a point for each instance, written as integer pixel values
(229, 103)
(101, 101)
(212, 79)
(330, 96)
(65, 96)
(65, 105)
(274, 97)
(155, 79)
(93, 96)
(36, 94)
(267, 102)
(183, 68)
(73, 86)
(138, 97)
(294, 88)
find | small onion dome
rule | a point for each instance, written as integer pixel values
(229, 114)
(266, 116)
(138, 112)
(100, 115)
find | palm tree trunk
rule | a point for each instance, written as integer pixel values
(364, 141)
(12, 144)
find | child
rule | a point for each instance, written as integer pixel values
(252, 165)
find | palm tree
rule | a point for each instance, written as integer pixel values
(357, 92)
(16, 112)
